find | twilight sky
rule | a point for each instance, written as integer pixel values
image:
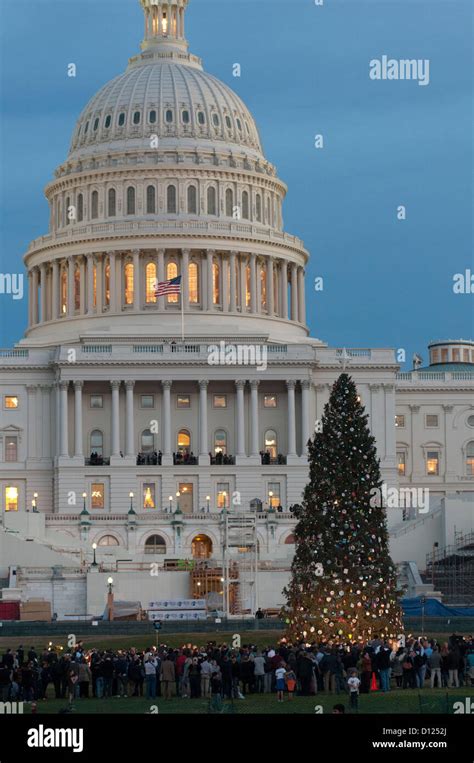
(305, 71)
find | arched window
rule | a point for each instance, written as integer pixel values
(128, 283)
(150, 282)
(151, 200)
(211, 201)
(136, 117)
(147, 441)
(172, 272)
(107, 284)
(270, 445)
(269, 215)
(58, 213)
(192, 200)
(108, 540)
(220, 441)
(155, 544)
(112, 202)
(68, 204)
(229, 203)
(152, 117)
(63, 292)
(263, 287)
(470, 459)
(201, 547)
(97, 442)
(168, 116)
(171, 200)
(80, 208)
(245, 206)
(248, 280)
(184, 441)
(77, 288)
(193, 280)
(258, 208)
(201, 118)
(94, 205)
(290, 539)
(130, 200)
(216, 286)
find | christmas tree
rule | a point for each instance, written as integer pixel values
(343, 585)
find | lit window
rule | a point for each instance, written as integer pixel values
(97, 442)
(147, 401)
(399, 421)
(271, 443)
(401, 463)
(121, 119)
(223, 495)
(201, 118)
(97, 497)
(290, 539)
(107, 284)
(128, 277)
(11, 498)
(470, 459)
(171, 200)
(193, 282)
(431, 420)
(94, 285)
(108, 121)
(10, 401)
(136, 118)
(220, 442)
(150, 200)
(112, 198)
(77, 288)
(150, 282)
(248, 279)
(147, 442)
(96, 401)
(66, 210)
(130, 200)
(183, 401)
(63, 292)
(192, 200)
(152, 117)
(172, 272)
(216, 292)
(274, 494)
(11, 448)
(263, 287)
(184, 442)
(220, 401)
(432, 463)
(269, 401)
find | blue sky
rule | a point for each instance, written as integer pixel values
(305, 71)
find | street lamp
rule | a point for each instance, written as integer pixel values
(94, 546)
(208, 498)
(131, 500)
(177, 500)
(270, 496)
(110, 599)
(84, 496)
(170, 498)
(110, 582)
(34, 502)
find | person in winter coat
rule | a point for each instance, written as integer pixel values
(453, 661)
(84, 678)
(167, 676)
(383, 666)
(434, 662)
(195, 678)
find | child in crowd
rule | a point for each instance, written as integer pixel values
(353, 683)
(290, 679)
(280, 674)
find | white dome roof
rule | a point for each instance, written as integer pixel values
(167, 98)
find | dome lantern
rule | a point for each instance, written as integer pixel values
(164, 24)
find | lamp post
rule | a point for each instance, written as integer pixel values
(208, 498)
(131, 500)
(177, 499)
(110, 598)
(94, 547)
(84, 496)
(170, 498)
(34, 502)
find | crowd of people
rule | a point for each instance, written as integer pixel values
(192, 672)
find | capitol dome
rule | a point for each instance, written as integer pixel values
(165, 177)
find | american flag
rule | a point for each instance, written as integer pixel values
(173, 286)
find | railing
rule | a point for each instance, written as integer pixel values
(268, 461)
(435, 376)
(7, 353)
(100, 461)
(355, 352)
(148, 348)
(98, 348)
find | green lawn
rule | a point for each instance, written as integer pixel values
(407, 701)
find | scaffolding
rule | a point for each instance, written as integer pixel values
(451, 570)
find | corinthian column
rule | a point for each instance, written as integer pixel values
(203, 437)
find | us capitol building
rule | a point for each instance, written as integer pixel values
(124, 450)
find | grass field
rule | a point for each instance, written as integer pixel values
(438, 701)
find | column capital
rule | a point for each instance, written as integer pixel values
(203, 383)
(290, 383)
(320, 387)
(78, 384)
(186, 251)
(448, 408)
(389, 387)
(63, 384)
(211, 252)
(306, 384)
(136, 252)
(31, 387)
(374, 387)
(240, 383)
(115, 384)
(166, 384)
(254, 383)
(129, 384)
(161, 252)
(414, 408)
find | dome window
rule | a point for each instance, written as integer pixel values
(108, 120)
(136, 118)
(121, 119)
(86, 128)
(247, 128)
(185, 117)
(168, 116)
(215, 119)
(228, 122)
(239, 125)
(96, 124)
(201, 118)
(152, 117)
